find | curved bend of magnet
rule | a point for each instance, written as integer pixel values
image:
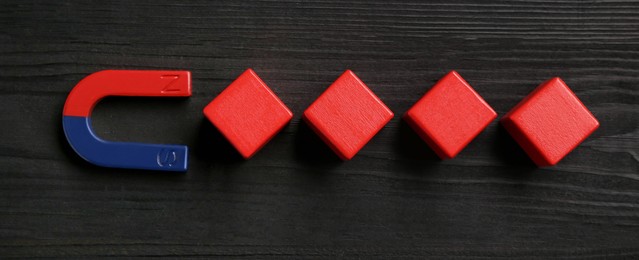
(76, 119)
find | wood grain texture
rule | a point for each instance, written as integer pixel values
(296, 199)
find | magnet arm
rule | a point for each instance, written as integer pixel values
(88, 92)
(122, 154)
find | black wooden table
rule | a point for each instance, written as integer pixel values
(295, 198)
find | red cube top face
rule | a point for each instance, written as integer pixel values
(550, 122)
(347, 115)
(248, 113)
(450, 115)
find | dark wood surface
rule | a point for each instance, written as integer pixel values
(295, 199)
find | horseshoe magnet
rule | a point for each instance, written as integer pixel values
(76, 119)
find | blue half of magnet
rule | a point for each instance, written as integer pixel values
(122, 154)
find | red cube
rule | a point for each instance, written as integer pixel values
(347, 115)
(248, 113)
(449, 115)
(550, 122)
